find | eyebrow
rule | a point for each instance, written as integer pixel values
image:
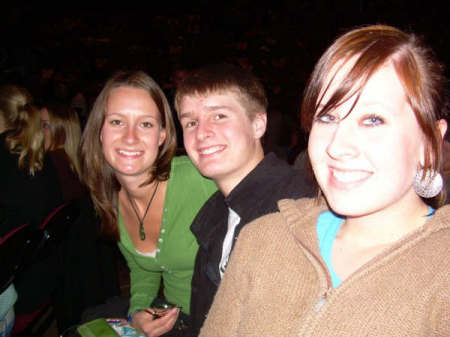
(120, 114)
(185, 115)
(371, 103)
(217, 107)
(211, 108)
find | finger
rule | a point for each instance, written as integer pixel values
(169, 312)
(162, 325)
(154, 313)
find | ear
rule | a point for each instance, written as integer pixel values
(101, 135)
(259, 124)
(162, 136)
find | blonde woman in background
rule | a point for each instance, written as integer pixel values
(28, 191)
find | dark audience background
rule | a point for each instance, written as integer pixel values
(65, 49)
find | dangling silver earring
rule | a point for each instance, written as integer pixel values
(430, 185)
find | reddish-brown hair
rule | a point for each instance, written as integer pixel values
(370, 48)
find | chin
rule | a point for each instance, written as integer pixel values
(211, 171)
(348, 207)
(132, 172)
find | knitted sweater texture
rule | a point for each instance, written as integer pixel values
(277, 284)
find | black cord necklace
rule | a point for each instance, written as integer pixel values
(141, 221)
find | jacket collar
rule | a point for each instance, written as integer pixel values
(258, 181)
(301, 217)
(242, 199)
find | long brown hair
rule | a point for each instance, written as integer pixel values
(371, 47)
(25, 137)
(97, 173)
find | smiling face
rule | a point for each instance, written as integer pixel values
(366, 161)
(219, 137)
(131, 133)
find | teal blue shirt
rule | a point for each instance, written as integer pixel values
(186, 193)
(328, 224)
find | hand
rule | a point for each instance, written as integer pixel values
(153, 327)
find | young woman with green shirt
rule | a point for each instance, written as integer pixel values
(146, 198)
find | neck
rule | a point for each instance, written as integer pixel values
(387, 225)
(132, 185)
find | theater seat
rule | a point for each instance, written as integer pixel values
(39, 243)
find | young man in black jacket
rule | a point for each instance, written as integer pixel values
(222, 109)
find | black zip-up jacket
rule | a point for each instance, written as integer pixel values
(256, 195)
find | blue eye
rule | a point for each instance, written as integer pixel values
(326, 118)
(372, 120)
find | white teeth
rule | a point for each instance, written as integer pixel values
(347, 177)
(210, 150)
(129, 153)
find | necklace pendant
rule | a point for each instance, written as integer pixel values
(141, 233)
(141, 221)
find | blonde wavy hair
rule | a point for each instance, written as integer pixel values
(25, 137)
(12, 99)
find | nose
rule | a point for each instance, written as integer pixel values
(344, 142)
(204, 130)
(130, 135)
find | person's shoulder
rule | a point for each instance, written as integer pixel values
(182, 165)
(440, 222)
(184, 172)
(285, 174)
(444, 209)
(212, 206)
(182, 161)
(292, 184)
(209, 216)
(290, 213)
(301, 204)
(296, 183)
